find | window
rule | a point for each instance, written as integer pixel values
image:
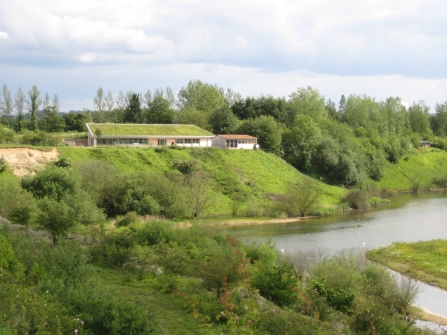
(161, 141)
(195, 140)
(180, 141)
(187, 140)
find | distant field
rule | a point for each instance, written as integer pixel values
(426, 261)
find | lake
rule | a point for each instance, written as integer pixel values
(407, 218)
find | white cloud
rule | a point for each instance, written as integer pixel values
(3, 35)
(328, 44)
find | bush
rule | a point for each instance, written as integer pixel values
(357, 199)
(129, 218)
(276, 283)
(3, 165)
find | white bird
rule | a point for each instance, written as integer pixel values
(282, 250)
(363, 243)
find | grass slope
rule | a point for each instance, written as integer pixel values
(426, 261)
(256, 173)
(421, 165)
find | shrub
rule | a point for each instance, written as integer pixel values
(357, 199)
(3, 165)
(129, 218)
(276, 283)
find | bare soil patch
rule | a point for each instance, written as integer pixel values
(24, 161)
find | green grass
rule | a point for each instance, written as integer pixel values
(256, 173)
(149, 129)
(425, 261)
(423, 165)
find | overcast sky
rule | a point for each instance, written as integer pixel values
(379, 48)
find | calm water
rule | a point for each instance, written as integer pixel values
(408, 218)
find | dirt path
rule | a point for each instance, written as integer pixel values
(24, 161)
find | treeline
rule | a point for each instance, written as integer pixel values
(341, 144)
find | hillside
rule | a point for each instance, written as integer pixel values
(419, 166)
(255, 174)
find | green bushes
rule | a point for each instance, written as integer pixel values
(59, 294)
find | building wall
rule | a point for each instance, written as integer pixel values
(218, 141)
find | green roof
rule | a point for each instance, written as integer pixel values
(114, 129)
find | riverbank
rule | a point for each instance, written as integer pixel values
(425, 261)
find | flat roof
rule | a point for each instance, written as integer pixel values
(130, 129)
(238, 137)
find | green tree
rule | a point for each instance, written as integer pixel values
(223, 121)
(266, 130)
(301, 142)
(159, 111)
(193, 116)
(52, 182)
(302, 196)
(132, 114)
(53, 123)
(308, 101)
(56, 218)
(419, 116)
(75, 121)
(201, 96)
(19, 104)
(34, 103)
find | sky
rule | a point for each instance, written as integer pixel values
(380, 48)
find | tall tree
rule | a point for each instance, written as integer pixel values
(99, 103)
(132, 113)
(109, 104)
(8, 105)
(419, 115)
(19, 103)
(159, 111)
(203, 97)
(34, 103)
(56, 103)
(309, 101)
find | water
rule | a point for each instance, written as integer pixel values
(408, 218)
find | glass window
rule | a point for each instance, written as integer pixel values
(179, 141)
(195, 140)
(162, 141)
(187, 140)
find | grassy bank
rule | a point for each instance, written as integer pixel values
(256, 174)
(426, 261)
(420, 166)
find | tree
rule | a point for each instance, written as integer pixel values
(8, 105)
(75, 121)
(99, 103)
(301, 142)
(191, 115)
(132, 113)
(55, 217)
(34, 103)
(98, 134)
(19, 102)
(304, 195)
(308, 101)
(419, 116)
(266, 130)
(223, 121)
(56, 103)
(52, 121)
(121, 103)
(21, 215)
(203, 97)
(159, 111)
(200, 194)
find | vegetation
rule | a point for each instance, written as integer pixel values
(150, 130)
(159, 277)
(426, 261)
